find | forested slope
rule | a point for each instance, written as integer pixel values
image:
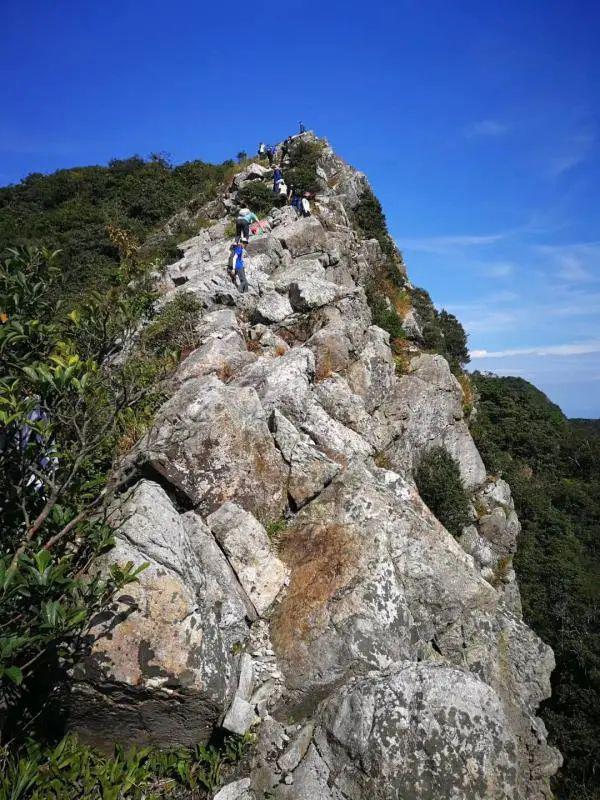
(553, 467)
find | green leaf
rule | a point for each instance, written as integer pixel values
(42, 560)
(15, 674)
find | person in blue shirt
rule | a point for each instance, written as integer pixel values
(239, 266)
(277, 177)
(302, 127)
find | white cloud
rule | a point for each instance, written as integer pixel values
(498, 269)
(575, 262)
(573, 152)
(487, 127)
(442, 245)
(575, 349)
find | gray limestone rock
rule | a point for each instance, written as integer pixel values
(251, 173)
(300, 269)
(222, 354)
(211, 442)
(372, 375)
(158, 669)
(246, 678)
(303, 236)
(249, 551)
(372, 573)
(425, 731)
(309, 293)
(272, 307)
(240, 717)
(220, 584)
(396, 654)
(297, 748)
(426, 407)
(309, 469)
(238, 790)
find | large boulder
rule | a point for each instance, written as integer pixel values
(422, 731)
(272, 307)
(299, 270)
(211, 443)
(247, 546)
(283, 383)
(303, 236)
(309, 293)
(223, 354)
(372, 374)
(158, 669)
(373, 575)
(426, 407)
(250, 173)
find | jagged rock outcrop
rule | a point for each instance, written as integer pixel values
(296, 577)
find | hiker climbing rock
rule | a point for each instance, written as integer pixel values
(305, 205)
(281, 190)
(239, 266)
(285, 148)
(262, 150)
(302, 127)
(277, 179)
(242, 224)
(271, 152)
(295, 200)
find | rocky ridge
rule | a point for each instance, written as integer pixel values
(298, 585)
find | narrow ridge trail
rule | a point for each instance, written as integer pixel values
(298, 585)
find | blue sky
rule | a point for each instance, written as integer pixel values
(477, 123)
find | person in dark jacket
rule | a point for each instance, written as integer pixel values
(285, 148)
(277, 177)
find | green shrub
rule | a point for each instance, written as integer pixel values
(440, 486)
(274, 529)
(442, 332)
(60, 412)
(385, 316)
(72, 771)
(258, 197)
(454, 339)
(174, 328)
(71, 210)
(423, 305)
(302, 170)
(368, 216)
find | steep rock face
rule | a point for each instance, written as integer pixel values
(160, 667)
(292, 578)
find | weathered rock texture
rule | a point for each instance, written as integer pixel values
(294, 580)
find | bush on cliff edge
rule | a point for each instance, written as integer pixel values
(440, 486)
